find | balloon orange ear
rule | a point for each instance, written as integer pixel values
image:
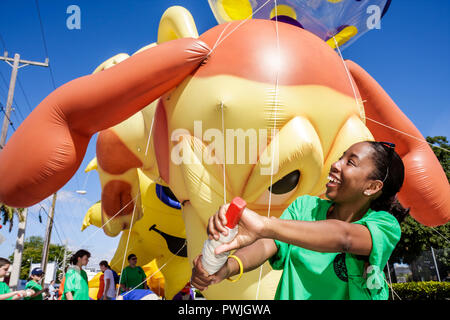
(49, 146)
(425, 190)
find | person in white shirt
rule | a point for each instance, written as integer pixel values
(52, 290)
(109, 292)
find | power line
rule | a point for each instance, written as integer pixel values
(3, 42)
(47, 56)
(44, 41)
(55, 224)
(14, 100)
(4, 80)
(18, 80)
(24, 95)
(7, 117)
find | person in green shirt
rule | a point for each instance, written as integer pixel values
(327, 249)
(133, 276)
(5, 291)
(76, 281)
(37, 274)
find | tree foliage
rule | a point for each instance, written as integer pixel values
(417, 238)
(441, 150)
(7, 214)
(32, 252)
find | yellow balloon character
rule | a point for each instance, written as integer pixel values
(233, 128)
(157, 238)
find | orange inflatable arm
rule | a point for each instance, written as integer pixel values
(425, 190)
(49, 146)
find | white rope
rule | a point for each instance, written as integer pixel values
(218, 39)
(440, 234)
(109, 220)
(357, 103)
(150, 276)
(126, 247)
(406, 134)
(390, 280)
(274, 143)
(241, 23)
(150, 133)
(224, 158)
(390, 286)
(348, 73)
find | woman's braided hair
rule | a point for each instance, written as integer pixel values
(390, 169)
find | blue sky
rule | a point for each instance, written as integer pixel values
(408, 56)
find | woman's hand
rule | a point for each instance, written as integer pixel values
(20, 294)
(69, 296)
(200, 277)
(251, 228)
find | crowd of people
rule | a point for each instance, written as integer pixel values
(130, 285)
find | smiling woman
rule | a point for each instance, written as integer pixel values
(327, 249)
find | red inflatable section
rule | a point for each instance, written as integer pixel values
(47, 149)
(425, 190)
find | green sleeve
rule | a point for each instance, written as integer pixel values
(291, 213)
(72, 282)
(385, 232)
(32, 285)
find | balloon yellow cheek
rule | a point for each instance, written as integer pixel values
(296, 147)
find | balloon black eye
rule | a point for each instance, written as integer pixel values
(286, 184)
(169, 193)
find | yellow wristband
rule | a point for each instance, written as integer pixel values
(241, 268)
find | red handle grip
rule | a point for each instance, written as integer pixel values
(234, 212)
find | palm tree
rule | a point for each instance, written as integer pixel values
(8, 215)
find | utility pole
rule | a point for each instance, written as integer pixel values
(435, 265)
(64, 259)
(17, 262)
(48, 235)
(16, 61)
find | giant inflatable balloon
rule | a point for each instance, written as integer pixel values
(345, 20)
(158, 238)
(155, 281)
(255, 108)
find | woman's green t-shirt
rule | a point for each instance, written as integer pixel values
(315, 275)
(77, 283)
(36, 287)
